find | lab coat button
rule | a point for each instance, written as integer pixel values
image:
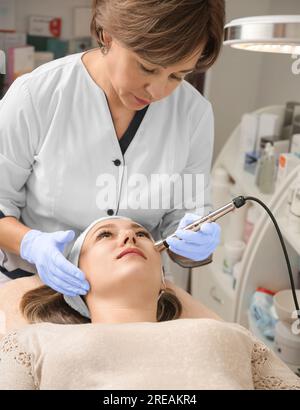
(110, 212)
(117, 162)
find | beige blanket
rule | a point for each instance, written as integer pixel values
(178, 354)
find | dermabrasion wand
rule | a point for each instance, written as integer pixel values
(195, 226)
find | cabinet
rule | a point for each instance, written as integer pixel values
(263, 262)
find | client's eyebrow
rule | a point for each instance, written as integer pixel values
(133, 225)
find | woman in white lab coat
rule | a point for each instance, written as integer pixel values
(85, 136)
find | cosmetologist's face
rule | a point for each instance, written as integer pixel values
(137, 82)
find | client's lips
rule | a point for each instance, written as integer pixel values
(131, 250)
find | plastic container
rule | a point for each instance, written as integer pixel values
(266, 171)
(284, 305)
(287, 344)
(268, 126)
(295, 145)
(233, 253)
(263, 313)
(286, 164)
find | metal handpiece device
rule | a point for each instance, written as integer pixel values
(211, 217)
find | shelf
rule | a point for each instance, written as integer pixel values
(244, 179)
(255, 264)
(291, 237)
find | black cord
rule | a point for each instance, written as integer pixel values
(240, 201)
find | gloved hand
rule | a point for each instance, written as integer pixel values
(196, 246)
(44, 250)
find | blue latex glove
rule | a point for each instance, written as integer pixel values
(44, 250)
(196, 246)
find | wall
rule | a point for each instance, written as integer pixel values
(278, 84)
(243, 81)
(233, 83)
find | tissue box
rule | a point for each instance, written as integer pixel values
(250, 163)
(44, 26)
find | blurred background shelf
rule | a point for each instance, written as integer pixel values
(224, 279)
(243, 179)
(291, 237)
(262, 264)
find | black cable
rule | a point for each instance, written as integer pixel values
(240, 201)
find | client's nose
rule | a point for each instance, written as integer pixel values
(129, 237)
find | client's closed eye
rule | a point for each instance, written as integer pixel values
(106, 234)
(144, 233)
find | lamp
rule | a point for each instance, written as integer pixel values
(272, 34)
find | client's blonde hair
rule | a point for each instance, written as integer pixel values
(44, 304)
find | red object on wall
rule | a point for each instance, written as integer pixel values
(55, 27)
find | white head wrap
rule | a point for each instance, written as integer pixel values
(77, 302)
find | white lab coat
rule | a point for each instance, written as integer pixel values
(57, 137)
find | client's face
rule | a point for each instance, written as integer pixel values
(119, 255)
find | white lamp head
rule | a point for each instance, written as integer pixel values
(273, 34)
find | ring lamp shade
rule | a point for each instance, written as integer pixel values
(273, 34)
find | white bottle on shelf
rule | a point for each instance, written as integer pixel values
(266, 171)
(233, 254)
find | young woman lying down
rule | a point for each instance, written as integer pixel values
(128, 332)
